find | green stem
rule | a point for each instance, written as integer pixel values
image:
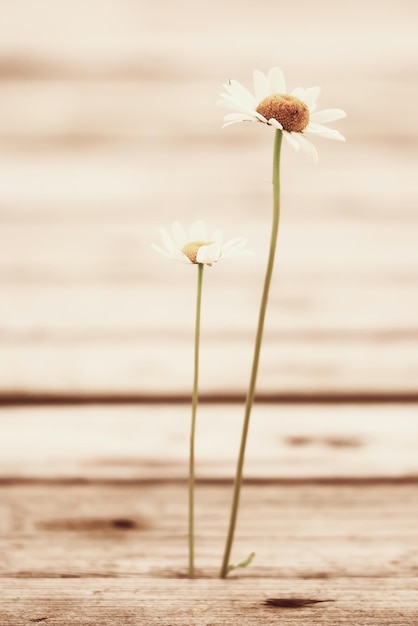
(256, 357)
(195, 399)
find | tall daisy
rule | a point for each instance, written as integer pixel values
(294, 113)
(196, 246)
(292, 116)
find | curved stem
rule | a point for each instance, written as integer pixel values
(195, 399)
(256, 357)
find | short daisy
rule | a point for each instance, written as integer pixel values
(293, 113)
(195, 246)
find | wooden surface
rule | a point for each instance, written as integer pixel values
(93, 512)
(198, 602)
(140, 443)
(109, 130)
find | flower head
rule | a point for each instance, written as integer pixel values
(293, 113)
(195, 246)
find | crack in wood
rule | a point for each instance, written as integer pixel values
(292, 603)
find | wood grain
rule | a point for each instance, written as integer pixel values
(93, 515)
(207, 602)
(286, 442)
(306, 530)
(118, 554)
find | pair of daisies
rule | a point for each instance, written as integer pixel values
(294, 114)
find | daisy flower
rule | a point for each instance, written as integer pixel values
(196, 246)
(292, 116)
(293, 113)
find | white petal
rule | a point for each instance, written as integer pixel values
(234, 247)
(228, 88)
(291, 140)
(299, 92)
(208, 254)
(308, 148)
(323, 131)
(231, 243)
(198, 231)
(236, 90)
(175, 256)
(275, 124)
(161, 251)
(235, 105)
(315, 128)
(337, 136)
(277, 83)
(260, 117)
(252, 116)
(182, 258)
(234, 122)
(167, 241)
(179, 234)
(328, 115)
(261, 85)
(238, 117)
(311, 96)
(217, 236)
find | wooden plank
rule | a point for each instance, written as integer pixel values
(385, 602)
(142, 369)
(286, 442)
(334, 327)
(135, 530)
(116, 554)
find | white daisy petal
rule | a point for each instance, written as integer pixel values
(238, 117)
(275, 123)
(198, 231)
(291, 140)
(237, 90)
(234, 247)
(328, 115)
(208, 254)
(179, 234)
(228, 88)
(232, 242)
(311, 96)
(167, 241)
(244, 116)
(161, 250)
(337, 136)
(307, 147)
(235, 105)
(217, 236)
(299, 92)
(176, 255)
(260, 118)
(182, 258)
(261, 85)
(236, 122)
(323, 131)
(277, 83)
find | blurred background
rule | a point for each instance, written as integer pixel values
(109, 129)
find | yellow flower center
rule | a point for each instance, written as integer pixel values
(191, 249)
(292, 113)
